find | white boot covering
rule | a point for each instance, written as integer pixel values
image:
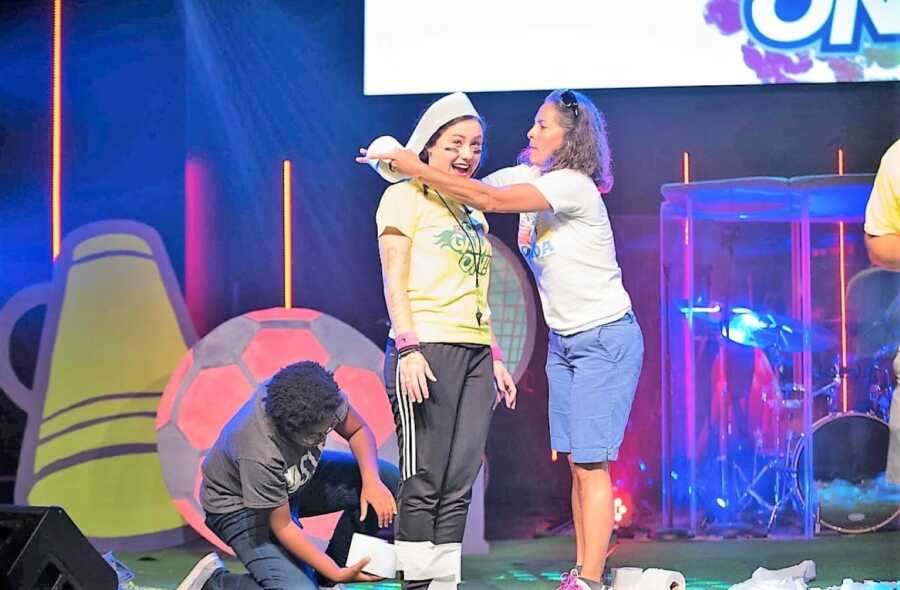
(423, 560)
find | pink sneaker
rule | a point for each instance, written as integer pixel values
(569, 580)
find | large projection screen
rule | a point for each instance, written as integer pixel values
(432, 46)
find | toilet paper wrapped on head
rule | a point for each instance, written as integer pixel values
(439, 113)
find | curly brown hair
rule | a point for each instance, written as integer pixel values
(585, 146)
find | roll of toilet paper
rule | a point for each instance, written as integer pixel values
(383, 559)
(626, 578)
(657, 579)
(380, 145)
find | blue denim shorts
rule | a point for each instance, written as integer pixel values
(593, 376)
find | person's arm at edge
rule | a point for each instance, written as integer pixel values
(884, 251)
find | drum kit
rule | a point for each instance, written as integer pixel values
(849, 447)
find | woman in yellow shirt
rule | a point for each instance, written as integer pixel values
(440, 365)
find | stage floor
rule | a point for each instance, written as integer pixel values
(536, 564)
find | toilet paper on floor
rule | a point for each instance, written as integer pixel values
(794, 577)
(626, 578)
(806, 570)
(780, 584)
(659, 579)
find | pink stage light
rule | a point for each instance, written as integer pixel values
(56, 140)
(686, 178)
(196, 238)
(843, 278)
(845, 398)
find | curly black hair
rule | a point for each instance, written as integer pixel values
(300, 395)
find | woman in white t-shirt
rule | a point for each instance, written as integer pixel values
(596, 348)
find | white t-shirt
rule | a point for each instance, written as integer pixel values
(570, 250)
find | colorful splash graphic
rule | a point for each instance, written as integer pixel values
(801, 40)
(632, 44)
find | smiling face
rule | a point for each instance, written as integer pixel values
(457, 150)
(546, 135)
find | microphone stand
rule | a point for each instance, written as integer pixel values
(724, 523)
(668, 531)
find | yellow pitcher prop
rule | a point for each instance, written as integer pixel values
(116, 327)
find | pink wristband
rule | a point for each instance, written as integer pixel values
(406, 339)
(496, 352)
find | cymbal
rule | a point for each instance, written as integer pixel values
(760, 329)
(767, 330)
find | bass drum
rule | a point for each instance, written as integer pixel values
(881, 378)
(849, 459)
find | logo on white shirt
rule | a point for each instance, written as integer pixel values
(298, 475)
(292, 477)
(535, 237)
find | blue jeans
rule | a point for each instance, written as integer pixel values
(593, 377)
(335, 486)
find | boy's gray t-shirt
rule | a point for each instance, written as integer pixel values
(252, 465)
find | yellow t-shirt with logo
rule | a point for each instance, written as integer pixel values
(883, 208)
(445, 298)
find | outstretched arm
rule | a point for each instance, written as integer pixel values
(298, 544)
(515, 198)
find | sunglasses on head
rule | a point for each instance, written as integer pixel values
(568, 100)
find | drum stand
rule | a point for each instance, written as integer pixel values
(779, 467)
(783, 489)
(725, 524)
(782, 466)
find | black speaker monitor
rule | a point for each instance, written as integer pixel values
(42, 549)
